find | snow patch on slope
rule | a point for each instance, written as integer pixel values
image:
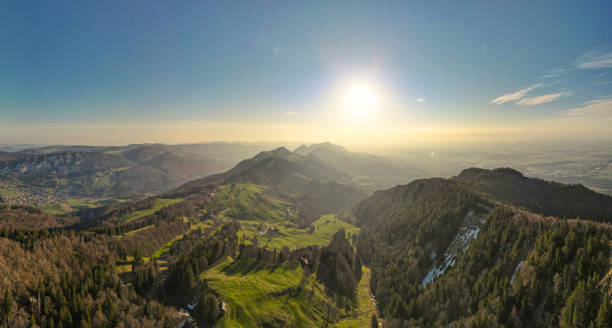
(467, 232)
(518, 267)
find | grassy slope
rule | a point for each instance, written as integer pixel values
(253, 206)
(293, 237)
(247, 289)
(363, 313)
(250, 303)
(6, 189)
(55, 209)
(75, 204)
(200, 225)
(159, 254)
(93, 202)
(248, 201)
(159, 204)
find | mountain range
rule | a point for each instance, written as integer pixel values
(297, 238)
(57, 173)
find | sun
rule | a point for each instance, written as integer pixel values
(360, 101)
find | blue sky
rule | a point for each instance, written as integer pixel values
(481, 67)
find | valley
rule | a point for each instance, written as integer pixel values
(285, 240)
(63, 177)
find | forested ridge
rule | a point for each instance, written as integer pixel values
(539, 196)
(67, 279)
(68, 276)
(31, 218)
(520, 269)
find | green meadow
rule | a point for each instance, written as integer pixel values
(281, 295)
(247, 201)
(362, 314)
(72, 205)
(159, 204)
(271, 220)
(289, 235)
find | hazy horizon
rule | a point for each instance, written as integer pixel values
(365, 75)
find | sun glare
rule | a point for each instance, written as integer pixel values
(360, 101)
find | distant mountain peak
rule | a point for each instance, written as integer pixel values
(293, 172)
(282, 151)
(301, 150)
(324, 146)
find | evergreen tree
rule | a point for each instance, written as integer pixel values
(579, 309)
(604, 315)
(374, 321)
(6, 306)
(210, 308)
(190, 279)
(147, 309)
(167, 323)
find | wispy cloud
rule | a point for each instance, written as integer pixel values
(597, 106)
(590, 60)
(594, 59)
(514, 96)
(599, 83)
(291, 113)
(532, 101)
(552, 75)
(420, 99)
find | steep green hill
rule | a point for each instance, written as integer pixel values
(290, 172)
(272, 221)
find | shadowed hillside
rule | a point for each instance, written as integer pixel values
(443, 253)
(539, 196)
